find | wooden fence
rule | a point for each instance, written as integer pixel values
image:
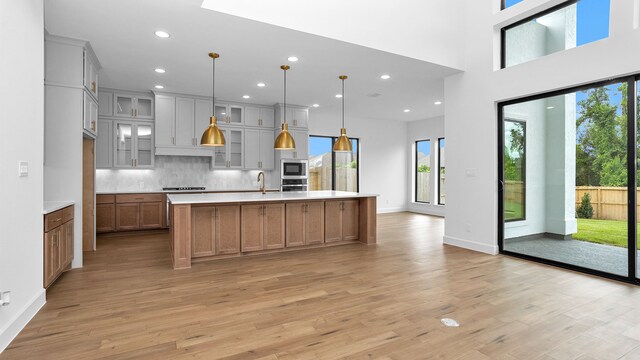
(320, 178)
(609, 203)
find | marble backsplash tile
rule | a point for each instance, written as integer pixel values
(173, 171)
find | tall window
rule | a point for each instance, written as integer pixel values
(441, 165)
(329, 170)
(571, 24)
(514, 170)
(423, 171)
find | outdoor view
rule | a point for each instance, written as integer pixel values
(441, 168)
(329, 170)
(423, 171)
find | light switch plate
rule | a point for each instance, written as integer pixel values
(23, 169)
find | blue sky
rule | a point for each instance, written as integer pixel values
(321, 145)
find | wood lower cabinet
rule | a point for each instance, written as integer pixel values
(128, 212)
(215, 230)
(58, 243)
(341, 220)
(263, 227)
(305, 223)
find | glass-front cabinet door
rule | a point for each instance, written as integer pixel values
(144, 146)
(124, 145)
(144, 108)
(221, 113)
(231, 155)
(124, 105)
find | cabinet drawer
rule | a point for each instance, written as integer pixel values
(67, 214)
(53, 220)
(138, 198)
(105, 199)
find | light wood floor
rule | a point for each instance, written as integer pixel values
(357, 302)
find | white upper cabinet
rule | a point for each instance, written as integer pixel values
(165, 120)
(185, 118)
(105, 103)
(90, 114)
(104, 145)
(133, 145)
(90, 73)
(297, 116)
(301, 137)
(204, 110)
(132, 106)
(230, 114)
(259, 117)
(231, 155)
(258, 149)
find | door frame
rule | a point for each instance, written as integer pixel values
(632, 166)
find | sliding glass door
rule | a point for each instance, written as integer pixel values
(566, 180)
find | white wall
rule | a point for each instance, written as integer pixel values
(472, 98)
(21, 111)
(429, 129)
(383, 165)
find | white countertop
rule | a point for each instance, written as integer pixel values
(50, 206)
(150, 191)
(178, 199)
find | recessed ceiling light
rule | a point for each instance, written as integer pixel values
(550, 107)
(159, 87)
(224, 113)
(162, 34)
(338, 96)
(385, 77)
(246, 96)
(316, 105)
(292, 58)
(406, 110)
(438, 103)
(160, 70)
(261, 84)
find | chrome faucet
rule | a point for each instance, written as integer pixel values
(261, 174)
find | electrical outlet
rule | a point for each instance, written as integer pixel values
(23, 169)
(5, 298)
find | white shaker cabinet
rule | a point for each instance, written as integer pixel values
(165, 120)
(90, 73)
(258, 149)
(104, 145)
(90, 122)
(301, 137)
(105, 103)
(133, 106)
(185, 118)
(230, 114)
(204, 110)
(133, 145)
(259, 117)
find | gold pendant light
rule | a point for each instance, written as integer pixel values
(343, 144)
(285, 141)
(213, 136)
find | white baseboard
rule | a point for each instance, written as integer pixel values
(10, 330)
(471, 245)
(391, 210)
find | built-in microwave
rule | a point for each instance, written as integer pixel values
(294, 169)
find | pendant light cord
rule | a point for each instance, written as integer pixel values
(343, 103)
(285, 96)
(213, 88)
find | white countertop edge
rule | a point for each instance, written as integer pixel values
(50, 206)
(182, 199)
(151, 191)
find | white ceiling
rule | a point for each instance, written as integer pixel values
(122, 34)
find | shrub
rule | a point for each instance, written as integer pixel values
(585, 210)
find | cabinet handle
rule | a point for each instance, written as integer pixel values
(173, 140)
(93, 86)
(295, 122)
(93, 125)
(136, 162)
(136, 112)
(131, 112)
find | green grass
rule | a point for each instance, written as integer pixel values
(608, 232)
(512, 210)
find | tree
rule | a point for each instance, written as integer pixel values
(424, 168)
(585, 209)
(601, 153)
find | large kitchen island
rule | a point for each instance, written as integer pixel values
(217, 226)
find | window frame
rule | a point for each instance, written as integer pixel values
(415, 187)
(524, 169)
(333, 160)
(438, 172)
(503, 30)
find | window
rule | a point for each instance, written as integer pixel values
(423, 171)
(514, 170)
(441, 164)
(329, 170)
(571, 24)
(509, 3)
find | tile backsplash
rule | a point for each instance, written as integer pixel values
(173, 171)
